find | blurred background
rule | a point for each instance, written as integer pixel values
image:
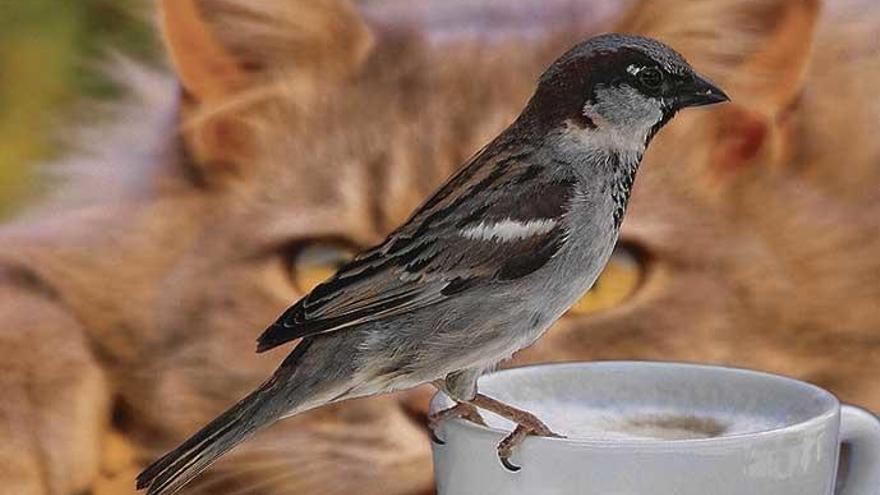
(174, 173)
(50, 58)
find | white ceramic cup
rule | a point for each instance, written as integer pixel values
(645, 428)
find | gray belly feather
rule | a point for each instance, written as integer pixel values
(482, 328)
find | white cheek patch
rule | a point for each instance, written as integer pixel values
(625, 107)
(508, 230)
(623, 118)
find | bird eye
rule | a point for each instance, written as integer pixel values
(651, 77)
(617, 283)
(313, 262)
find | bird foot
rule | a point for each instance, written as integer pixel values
(527, 425)
(459, 410)
(516, 437)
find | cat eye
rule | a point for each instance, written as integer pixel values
(314, 262)
(617, 283)
(651, 77)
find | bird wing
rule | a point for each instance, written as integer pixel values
(497, 219)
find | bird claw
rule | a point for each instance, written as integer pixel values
(516, 437)
(434, 438)
(460, 410)
(509, 465)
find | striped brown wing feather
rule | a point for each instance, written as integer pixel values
(428, 259)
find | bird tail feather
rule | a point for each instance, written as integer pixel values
(171, 472)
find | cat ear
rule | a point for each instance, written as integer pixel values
(206, 69)
(225, 51)
(758, 51)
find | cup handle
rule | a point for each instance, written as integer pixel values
(861, 431)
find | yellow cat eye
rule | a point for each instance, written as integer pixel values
(316, 262)
(616, 284)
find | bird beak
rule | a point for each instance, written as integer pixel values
(699, 92)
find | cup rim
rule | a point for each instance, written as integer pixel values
(817, 420)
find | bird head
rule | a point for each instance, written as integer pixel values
(625, 85)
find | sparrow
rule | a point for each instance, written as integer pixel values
(483, 267)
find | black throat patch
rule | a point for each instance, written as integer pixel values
(621, 182)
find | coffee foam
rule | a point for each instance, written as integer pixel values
(639, 422)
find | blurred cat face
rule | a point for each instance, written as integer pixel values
(716, 263)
